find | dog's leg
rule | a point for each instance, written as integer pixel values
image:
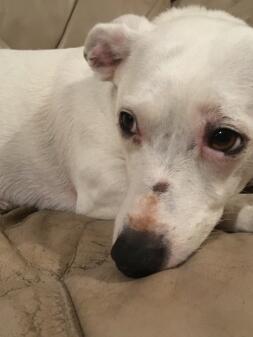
(238, 214)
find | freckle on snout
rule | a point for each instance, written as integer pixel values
(160, 187)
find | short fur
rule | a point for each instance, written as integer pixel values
(61, 146)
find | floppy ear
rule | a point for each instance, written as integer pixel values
(109, 44)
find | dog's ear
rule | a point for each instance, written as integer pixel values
(109, 44)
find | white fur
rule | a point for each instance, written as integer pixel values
(61, 147)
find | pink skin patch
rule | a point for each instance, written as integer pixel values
(108, 51)
(102, 56)
(137, 139)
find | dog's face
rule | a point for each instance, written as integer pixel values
(184, 110)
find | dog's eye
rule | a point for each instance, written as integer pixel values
(226, 140)
(127, 123)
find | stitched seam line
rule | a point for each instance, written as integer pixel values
(67, 23)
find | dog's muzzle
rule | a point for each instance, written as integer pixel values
(139, 253)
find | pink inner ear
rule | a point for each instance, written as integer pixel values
(103, 56)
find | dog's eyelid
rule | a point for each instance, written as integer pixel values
(227, 123)
(129, 110)
(126, 109)
(229, 126)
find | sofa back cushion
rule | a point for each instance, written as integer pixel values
(46, 24)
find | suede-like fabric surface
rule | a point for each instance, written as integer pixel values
(89, 12)
(45, 24)
(56, 275)
(33, 24)
(57, 279)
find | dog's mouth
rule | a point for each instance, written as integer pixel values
(142, 252)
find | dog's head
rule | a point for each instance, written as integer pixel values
(184, 106)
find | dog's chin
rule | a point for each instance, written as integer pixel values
(176, 262)
(175, 259)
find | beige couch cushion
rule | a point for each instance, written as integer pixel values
(57, 279)
(33, 24)
(89, 12)
(45, 24)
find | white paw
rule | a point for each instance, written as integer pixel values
(244, 219)
(238, 214)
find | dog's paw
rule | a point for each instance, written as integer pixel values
(238, 214)
(244, 219)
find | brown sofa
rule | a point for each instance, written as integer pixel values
(56, 276)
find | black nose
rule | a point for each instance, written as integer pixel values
(138, 253)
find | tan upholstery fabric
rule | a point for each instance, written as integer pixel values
(57, 279)
(45, 24)
(89, 12)
(31, 24)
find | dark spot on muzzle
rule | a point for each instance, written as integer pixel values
(160, 187)
(139, 253)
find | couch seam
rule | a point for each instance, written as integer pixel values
(57, 276)
(66, 24)
(16, 250)
(5, 43)
(7, 292)
(69, 265)
(77, 324)
(150, 10)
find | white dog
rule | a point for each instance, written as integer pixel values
(162, 143)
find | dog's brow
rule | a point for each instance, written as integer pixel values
(209, 109)
(212, 113)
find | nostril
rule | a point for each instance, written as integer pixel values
(139, 254)
(161, 187)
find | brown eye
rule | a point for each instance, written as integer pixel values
(226, 140)
(127, 123)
